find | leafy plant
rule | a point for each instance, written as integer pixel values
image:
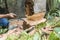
(40, 25)
(55, 35)
(24, 36)
(54, 12)
(3, 30)
(53, 22)
(12, 37)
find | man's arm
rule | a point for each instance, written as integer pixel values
(11, 15)
(3, 15)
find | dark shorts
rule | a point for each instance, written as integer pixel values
(4, 22)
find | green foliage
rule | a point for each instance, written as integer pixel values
(37, 36)
(55, 22)
(55, 35)
(57, 31)
(54, 9)
(41, 25)
(12, 37)
(59, 1)
(24, 36)
(54, 12)
(3, 30)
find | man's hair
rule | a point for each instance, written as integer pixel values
(3, 10)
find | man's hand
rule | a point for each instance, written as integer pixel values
(11, 15)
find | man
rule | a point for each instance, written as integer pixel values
(4, 16)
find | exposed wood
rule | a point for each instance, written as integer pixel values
(37, 16)
(34, 22)
(29, 7)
